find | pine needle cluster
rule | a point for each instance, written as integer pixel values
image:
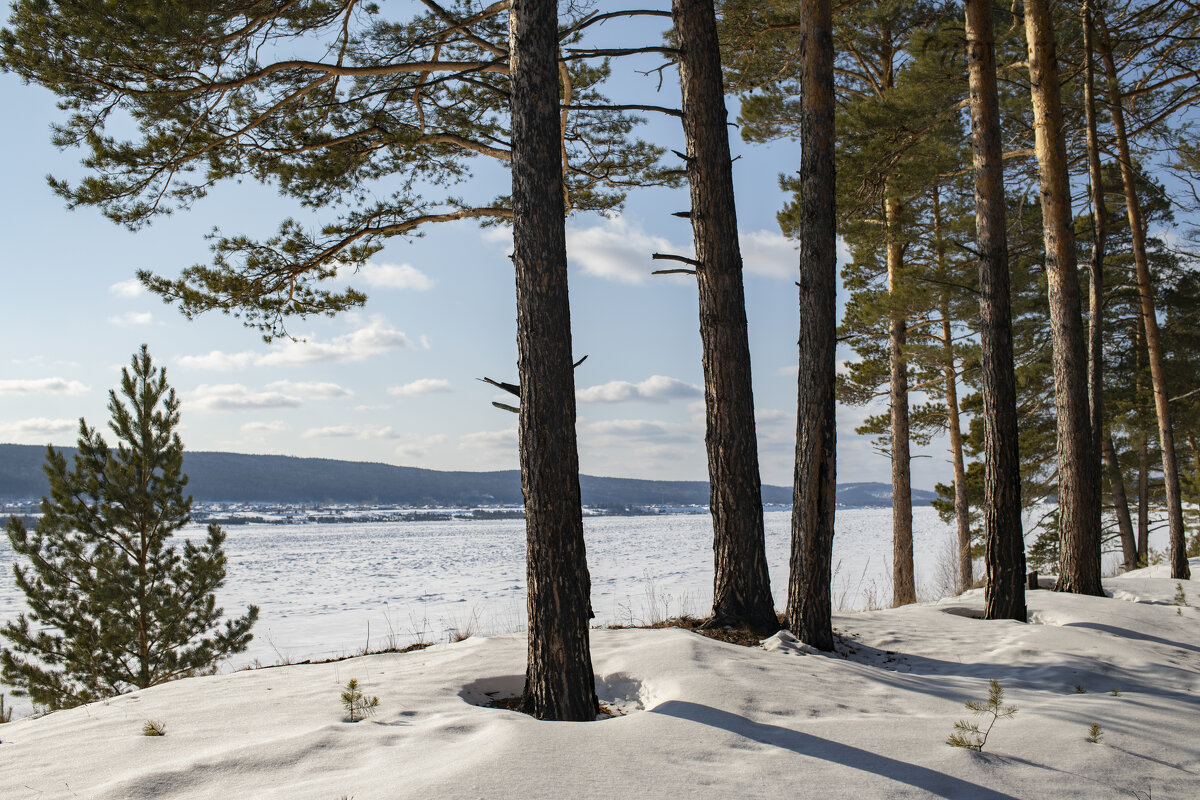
(969, 734)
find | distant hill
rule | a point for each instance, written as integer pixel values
(236, 477)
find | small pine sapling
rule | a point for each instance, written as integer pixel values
(1180, 598)
(154, 728)
(1095, 733)
(1079, 689)
(113, 604)
(358, 706)
(968, 734)
(1116, 692)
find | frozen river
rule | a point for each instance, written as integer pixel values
(323, 589)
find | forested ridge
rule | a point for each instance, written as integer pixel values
(238, 477)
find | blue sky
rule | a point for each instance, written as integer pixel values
(395, 381)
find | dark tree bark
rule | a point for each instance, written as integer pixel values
(1154, 348)
(559, 683)
(1099, 243)
(962, 509)
(1143, 448)
(1116, 485)
(904, 589)
(741, 585)
(1004, 543)
(1078, 496)
(814, 481)
(1096, 298)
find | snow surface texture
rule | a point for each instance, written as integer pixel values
(332, 590)
(701, 718)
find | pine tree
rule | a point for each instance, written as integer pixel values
(113, 605)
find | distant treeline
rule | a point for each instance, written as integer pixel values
(236, 477)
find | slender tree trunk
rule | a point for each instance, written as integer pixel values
(741, 585)
(1078, 500)
(1143, 452)
(962, 509)
(559, 683)
(1099, 244)
(1116, 485)
(1004, 542)
(814, 481)
(1154, 348)
(904, 589)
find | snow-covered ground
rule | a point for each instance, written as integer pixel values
(701, 718)
(329, 590)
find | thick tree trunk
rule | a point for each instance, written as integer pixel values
(904, 588)
(1116, 486)
(1154, 348)
(741, 585)
(1078, 500)
(809, 615)
(559, 683)
(1004, 542)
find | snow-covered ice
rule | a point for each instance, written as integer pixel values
(701, 718)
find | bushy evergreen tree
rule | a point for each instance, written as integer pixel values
(113, 605)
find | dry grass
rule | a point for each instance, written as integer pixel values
(739, 636)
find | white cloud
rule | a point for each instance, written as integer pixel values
(769, 253)
(263, 428)
(393, 276)
(372, 338)
(42, 386)
(311, 389)
(37, 427)
(655, 389)
(489, 440)
(236, 397)
(132, 318)
(130, 288)
(417, 447)
(421, 386)
(640, 430)
(351, 432)
(379, 407)
(424, 342)
(618, 250)
(218, 361)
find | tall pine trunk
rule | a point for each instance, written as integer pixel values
(962, 509)
(1078, 496)
(904, 588)
(741, 585)
(809, 614)
(1143, 450)
(1004, 543)
(1154, 348)
(1099, 244)
(559, 683)
(1096, 298)
(1116, 485)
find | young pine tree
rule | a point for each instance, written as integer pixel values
(113, 605)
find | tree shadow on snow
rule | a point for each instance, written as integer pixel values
(1125, 633)
(806, 744)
